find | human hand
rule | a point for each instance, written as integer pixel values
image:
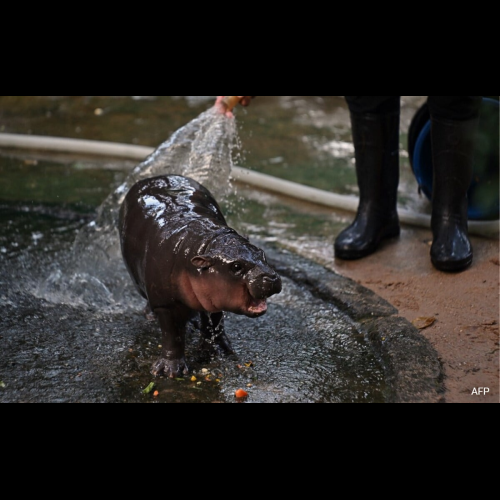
(225, 104)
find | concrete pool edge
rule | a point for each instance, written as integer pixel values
(413, 371)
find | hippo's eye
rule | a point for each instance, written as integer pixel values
(236, 267)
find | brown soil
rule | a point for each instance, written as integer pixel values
(458, 312)
(463, 308)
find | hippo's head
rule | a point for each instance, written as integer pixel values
(234, 276)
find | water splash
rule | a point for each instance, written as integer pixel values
(94, 273)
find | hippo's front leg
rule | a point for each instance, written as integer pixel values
(213, 333)
(173, 327)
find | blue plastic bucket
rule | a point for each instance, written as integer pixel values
(484, 192)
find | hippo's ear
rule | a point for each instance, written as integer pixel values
(202, 262)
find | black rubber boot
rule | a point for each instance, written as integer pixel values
(452, 157)
(376, 143)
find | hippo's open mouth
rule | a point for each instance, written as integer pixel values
(256, 307)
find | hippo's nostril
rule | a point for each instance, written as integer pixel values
(270, 279)
(272, 283)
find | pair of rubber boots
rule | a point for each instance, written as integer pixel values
(376, 141)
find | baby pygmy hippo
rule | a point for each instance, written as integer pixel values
(185, 260)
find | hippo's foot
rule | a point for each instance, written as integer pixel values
(214, 340)
(223, 344)
(172, 368)
(217, 345)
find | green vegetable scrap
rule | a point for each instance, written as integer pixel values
(2, 385)
(149, 388)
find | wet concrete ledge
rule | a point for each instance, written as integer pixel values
(412, 367)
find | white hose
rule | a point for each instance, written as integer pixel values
(490, 229)
(80, 146)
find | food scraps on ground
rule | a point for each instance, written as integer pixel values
(149, 388)
(241, 394)
(156, 394)
(423, 322)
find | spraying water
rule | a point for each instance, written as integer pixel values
(94, 273)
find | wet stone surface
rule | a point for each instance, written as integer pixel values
(305, 349)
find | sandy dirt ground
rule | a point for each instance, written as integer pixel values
(462, 310)
(457, 312)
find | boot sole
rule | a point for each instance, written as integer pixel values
(452, 267)
(360, 254)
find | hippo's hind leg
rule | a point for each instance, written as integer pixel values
(213, 333)
(173, 326)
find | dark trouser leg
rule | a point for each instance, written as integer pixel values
(454, 121)
(173, 326)
(375, 134)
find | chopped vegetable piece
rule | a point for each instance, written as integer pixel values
(149, 388)
(156, 394)
(241, 394)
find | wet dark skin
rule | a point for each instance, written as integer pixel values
(186, 261)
